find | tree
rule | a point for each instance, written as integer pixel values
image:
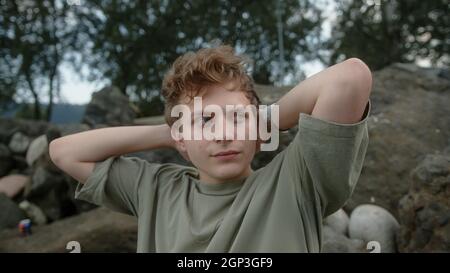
(132, 43)
(384, 32)
(34, 37)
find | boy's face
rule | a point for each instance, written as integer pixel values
(203, 153)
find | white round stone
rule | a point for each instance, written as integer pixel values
(374, 223)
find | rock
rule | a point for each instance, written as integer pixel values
(424, 213)
(19, 143)
(336, 242)
(20, 164)
(429, 78)
(338, 221)
(410, 118)
(38, 154)
(10, 214)
(13, 184)
(68, 129)
(99, 230)
(52, 133)
(37, 149)
(431, 167)
(109, 106)
(374, 223)
(33, 212)
(49, 191)
(33, 128)
(80, 205)
(6, 163)
(42, 182)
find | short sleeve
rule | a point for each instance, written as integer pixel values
(327, 157)
(115, 182)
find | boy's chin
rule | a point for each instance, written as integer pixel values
(227, 173)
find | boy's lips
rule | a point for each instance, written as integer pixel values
(228, 152)
(227, 155)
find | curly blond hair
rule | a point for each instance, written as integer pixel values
(193, 71)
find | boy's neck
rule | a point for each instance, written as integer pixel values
(212, 180)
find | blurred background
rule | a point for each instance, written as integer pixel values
(72, 65)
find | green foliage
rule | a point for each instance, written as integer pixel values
(34, 37)
(383, 32)
(133, 43)
(153, 107)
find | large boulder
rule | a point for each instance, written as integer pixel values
(373, 223)
(99, 230)
(11, 214)
(424, 213)
(410, 118)
(109, 106)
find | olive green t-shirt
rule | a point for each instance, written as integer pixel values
(278, 208)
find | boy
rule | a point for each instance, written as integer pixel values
(222, 205)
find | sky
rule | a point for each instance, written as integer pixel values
(75, 90)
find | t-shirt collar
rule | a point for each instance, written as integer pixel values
(229, 187)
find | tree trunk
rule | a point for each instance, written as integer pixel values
(50, 98)
(37, 104)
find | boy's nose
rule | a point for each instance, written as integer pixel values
(228, 132)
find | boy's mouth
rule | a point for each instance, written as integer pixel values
(227, 155)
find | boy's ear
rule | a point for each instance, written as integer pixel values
(181, 147)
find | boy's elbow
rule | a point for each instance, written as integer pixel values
(55, 151)
(359, 77)
(59, 155)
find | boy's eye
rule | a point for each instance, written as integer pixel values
(206, 119)
(201, 120)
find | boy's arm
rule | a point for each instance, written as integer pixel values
(339, 94)
(76, 154)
